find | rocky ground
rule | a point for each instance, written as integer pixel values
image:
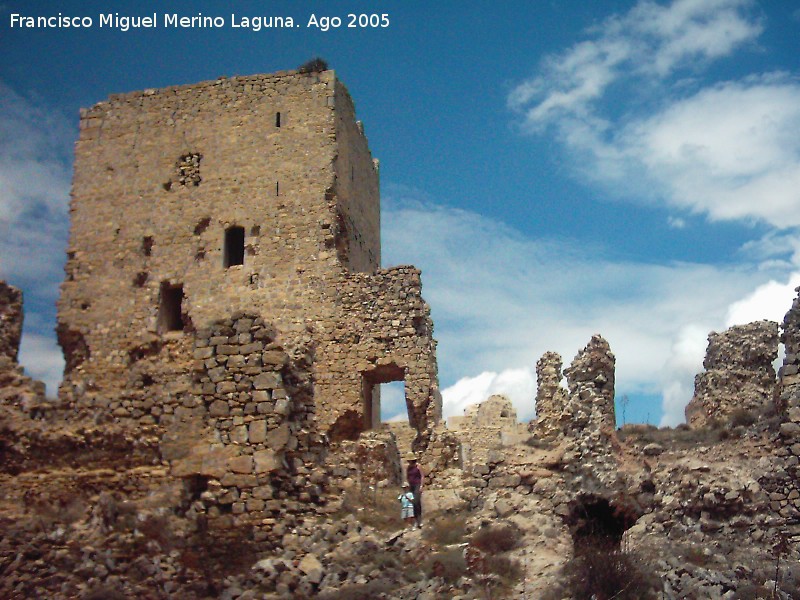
(92, 512)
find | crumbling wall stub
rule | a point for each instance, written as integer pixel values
(738, 373)
(783, 483)
(585, 424)
(382, 332)
(485, 427)
(789, 373)
(551, 397)
(590, 379)
(10, 320)
(16, 389)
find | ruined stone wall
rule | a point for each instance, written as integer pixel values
(10, 320)
(197, 202)
(789, 373)
(357, 191)
(384, 334)
(250, 432)
(551, 397)
(580, 419)
(486, 426)
(783, 483)
(738, 373)
(16, 389)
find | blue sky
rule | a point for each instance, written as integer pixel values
(556, 169)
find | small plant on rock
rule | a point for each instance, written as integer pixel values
(496, 539)
(604, 572)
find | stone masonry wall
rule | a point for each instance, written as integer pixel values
(551, 397)
(783, 484)
(384, 334)
(590, 379)
(10, 320)
(251, 194)
(484, 427)
(738, 373)
(260, 452)
(358, 207)
(581, 420)
(16, 389)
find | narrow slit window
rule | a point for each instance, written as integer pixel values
(234, 246)
(277, 119)
(277, 188)
(170, 315)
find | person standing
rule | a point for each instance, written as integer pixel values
(406, 504)
(414, 478)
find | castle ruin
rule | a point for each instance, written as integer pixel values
(197, 204)
(226, 327)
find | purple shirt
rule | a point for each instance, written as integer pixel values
(414, 476)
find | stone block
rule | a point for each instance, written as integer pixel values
(203, 353)
(276, 358)
(790, 430)
(219, 408)
(254, 504)
(241, 464)
(258, 431)
(261, 396)
(267, 461)
(267, 381)
(312, 567)
(226, 387)
(238, 434)
(278, 438)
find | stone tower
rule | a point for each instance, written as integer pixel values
(257, 195)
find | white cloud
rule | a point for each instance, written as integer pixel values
(676, 223)
(650, 41)
(42, 360)
(500, 300)
(768, 301)
(687, 351)
(725, 150)
(518, 385)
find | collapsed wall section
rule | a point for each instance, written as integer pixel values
(486, 426)
(10, 321)
(382, 332)
(738, 373)
(551, 398)
(16, 389)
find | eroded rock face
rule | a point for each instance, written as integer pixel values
(738, 373)
(10, 320)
